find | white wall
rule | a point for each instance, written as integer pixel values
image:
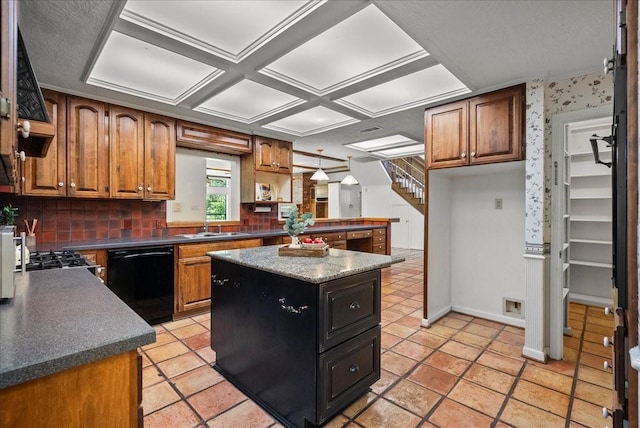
(378, 198)
(475, 250)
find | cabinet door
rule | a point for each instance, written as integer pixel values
(159, 157)
(8, 85)
(194, 277)
(284, 161)
(446, 135)
(126, 145)
(495, 126)
(87, 149)
(203, 137)
(265, 153)
(47, 176)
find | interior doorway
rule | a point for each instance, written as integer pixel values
(400, 230)
(581, 219)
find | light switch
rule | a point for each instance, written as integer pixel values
(177, 207)
(498, 203)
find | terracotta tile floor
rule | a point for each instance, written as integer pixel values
(461, 372)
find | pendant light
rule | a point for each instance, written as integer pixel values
(349, 180)
(320, 175)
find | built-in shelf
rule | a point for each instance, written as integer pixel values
(593, 174)
(565, 266)
(594, 219)
(591, 264)
(577, 197)
(590, 241)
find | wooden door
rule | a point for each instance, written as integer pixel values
(194, 279)
(284, 161)
(446, 135)
(8, 85)
(265, 153)
(159, 157)
(87, 149)
(495, 126)
(126, 147)
(47, 176)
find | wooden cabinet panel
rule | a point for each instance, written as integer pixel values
(83, 396)
(446, 135)
(484, 129)
(87, 149)
(159, 157)
(126, 145)
(47, 176)
(273, 155)
(495, 126)
(99, 257)
(211, 139)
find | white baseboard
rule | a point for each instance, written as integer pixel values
(534, 354)
(585, 299)
(428, 322)
(515, 322)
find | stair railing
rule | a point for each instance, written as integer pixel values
(407, 176)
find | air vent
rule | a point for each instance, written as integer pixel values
(373, 128)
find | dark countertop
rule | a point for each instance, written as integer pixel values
(63, 318)
(178, 239)
(337, 264)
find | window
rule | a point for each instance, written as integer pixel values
(217, 195)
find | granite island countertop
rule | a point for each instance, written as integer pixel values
(336, 264)
(63, 318)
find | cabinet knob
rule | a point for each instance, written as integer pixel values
(606, 412)
(73, 184)
(463, 155)
(354, 306)
(354, 368)
(606, 342)
(148, 188)
(607, 311)
(473, 154)
(606, 365)
(140, 188)
(60, 184)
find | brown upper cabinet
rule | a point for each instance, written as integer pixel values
(87, 148)
(8, 88)
(142, 155)
(273, 155)
(208, 138)
(483, 129)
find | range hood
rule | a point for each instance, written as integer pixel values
(31, 108)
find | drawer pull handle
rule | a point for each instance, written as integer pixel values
(290, 308)
(354, 306)
(354, 368)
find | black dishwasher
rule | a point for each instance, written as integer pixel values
(143, 279)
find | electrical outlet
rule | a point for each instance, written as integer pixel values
(513, 308)
(498, 203)
(177, 207)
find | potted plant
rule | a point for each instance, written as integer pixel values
(8, 215)
(294, 227)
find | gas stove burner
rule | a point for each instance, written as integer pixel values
(56, 260)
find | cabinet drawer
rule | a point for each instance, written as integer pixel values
(359, 234)
(380, 232)
(379, 249)
(349, 306)
(379, 240)
(195, 250)
(328, 237)
(349, 370)
(340, 245)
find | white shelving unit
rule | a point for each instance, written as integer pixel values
(590, 199)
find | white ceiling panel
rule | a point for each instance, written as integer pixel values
(419, 88)
(412, 150)
(380, 143)
(229, 29)
(363, 45)
(135, 67)
(247, 102)
(312, 121)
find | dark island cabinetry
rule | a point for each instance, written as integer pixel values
(301, 350)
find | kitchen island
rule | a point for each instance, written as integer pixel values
(68, 353)
(298, 335)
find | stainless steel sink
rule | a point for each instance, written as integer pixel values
(212, 234)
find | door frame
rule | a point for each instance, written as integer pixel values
(556, 307)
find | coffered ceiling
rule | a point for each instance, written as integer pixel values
(324, 74)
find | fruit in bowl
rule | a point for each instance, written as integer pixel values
(313, 243)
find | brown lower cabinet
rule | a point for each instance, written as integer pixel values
(107, 392)
(193, 274)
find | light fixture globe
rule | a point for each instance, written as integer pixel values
(349, 180)
(320, 175)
